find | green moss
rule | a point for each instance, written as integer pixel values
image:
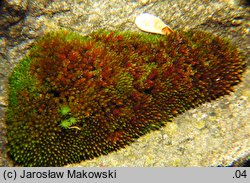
(64, 110)
(78, 97)
(67, 123)
(124, 83)
(20, 79)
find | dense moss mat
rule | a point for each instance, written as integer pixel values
(75, 98)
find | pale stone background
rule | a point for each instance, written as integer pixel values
(214, 134)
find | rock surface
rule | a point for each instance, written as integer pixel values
(214, 134)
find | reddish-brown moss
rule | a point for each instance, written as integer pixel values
(81, 97)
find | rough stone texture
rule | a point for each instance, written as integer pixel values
(214, 134)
